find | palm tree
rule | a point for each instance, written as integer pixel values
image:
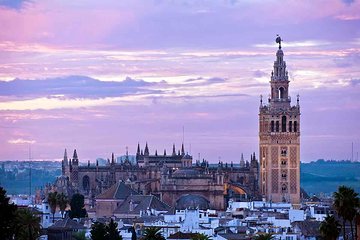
(152, 233)
(52, 200)
(346, 202)
(201, 236)
(62, 201)
(264, 236)
(28, 225)
(329, 228)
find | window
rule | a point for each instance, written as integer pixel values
(283, 124)
(290, 126)
(283, 188)
(283, 152)
(295, 126)
(272, 126)
(277, 126)
(283, 162)
(281, 92)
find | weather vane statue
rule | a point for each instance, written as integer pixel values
(278, 40)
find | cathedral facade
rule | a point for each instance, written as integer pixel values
(279, 139)
(170, 177)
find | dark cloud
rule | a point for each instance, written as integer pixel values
(355, 82)
(74, 87)
(348, 2)
(15, 4)
(259, 74)
(215, 80)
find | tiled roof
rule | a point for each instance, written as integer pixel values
(117, 191)
(308, 228)
(141, 203)
(66, 223)
(181, 235)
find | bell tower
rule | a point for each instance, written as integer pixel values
(279, 138)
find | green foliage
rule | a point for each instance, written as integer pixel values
(346, 203)
(52, 200)
(62, 202)
(98, 231)
(77, 206)
(264, 236)
(152, 233)
(27, 225)
(329, 228)
(112, 232)
(79, 235)
(7, 216)
(201, 236)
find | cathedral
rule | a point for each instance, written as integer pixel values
(170, 177)
(180, 183)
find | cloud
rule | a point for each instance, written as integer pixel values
(15, 4)
(21, 141)
(73, 87)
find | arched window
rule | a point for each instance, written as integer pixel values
(290, 126)
(277, 126)
(283, 124)
(295, 126)
(86, 183)
(272, 126)
(281, 92)
(284, 188)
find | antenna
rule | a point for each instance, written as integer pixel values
(352, 151)
(183, 136)
(30, 174)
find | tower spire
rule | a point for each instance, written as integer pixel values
(146, 151)
(138, 149)
(174, 151)
(65, 158)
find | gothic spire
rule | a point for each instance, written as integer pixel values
(174, 151)
(146, 151)
(242, 162)
(65, 158)
(112, 158)
(182, 149)
(138, 149)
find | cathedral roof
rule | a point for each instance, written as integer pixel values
(192, 201)
(186, 172)
(141, 203)
(117, 191)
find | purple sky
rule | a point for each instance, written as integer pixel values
(100, 76)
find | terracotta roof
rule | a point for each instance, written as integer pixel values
(141, 203)
(308, 228)
(66, 223)
(117, 191)
(181, 235)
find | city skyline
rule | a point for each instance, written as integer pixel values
(100, 77)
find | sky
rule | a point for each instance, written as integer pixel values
(103, 76)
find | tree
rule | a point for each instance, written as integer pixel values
(112, 232)
(27, 225)
(77, 206)
(346, 202)
(264, 236)
(201, 236)
(133, 233)
(52, 200)
(98, 231)
(62, 201)
(7, 216)
(79, 235)
(152, 233)
(329, 228)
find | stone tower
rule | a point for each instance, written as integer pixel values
(279, 139)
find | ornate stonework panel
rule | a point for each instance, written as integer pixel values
(275, 180)
(293, 157)
(293, 181)
(274, 156)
